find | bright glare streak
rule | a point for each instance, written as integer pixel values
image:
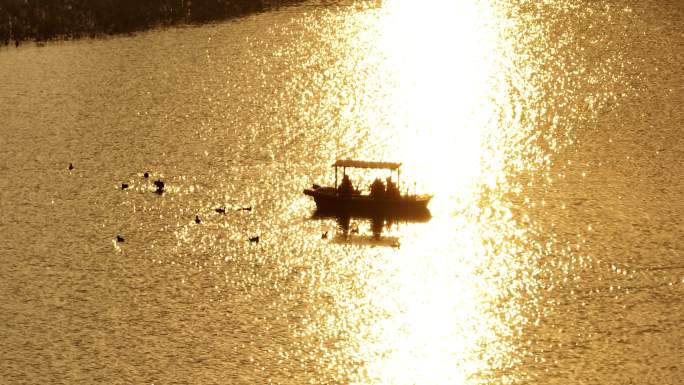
(439, 65)
(440, 56)
(422, 84)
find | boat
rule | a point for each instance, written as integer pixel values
(384, 200)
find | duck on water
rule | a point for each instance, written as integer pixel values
(383, 199)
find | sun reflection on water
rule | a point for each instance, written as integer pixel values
(443, 68)
(426, 94)
(441, 308)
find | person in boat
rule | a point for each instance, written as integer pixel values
(392, 191)
(345, 188)
(377, 189)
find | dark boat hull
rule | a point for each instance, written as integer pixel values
(328, 201)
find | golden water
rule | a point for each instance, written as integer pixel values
(549, 133)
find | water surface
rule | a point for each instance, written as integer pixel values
(550, 135)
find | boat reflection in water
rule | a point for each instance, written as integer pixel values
(350, 226)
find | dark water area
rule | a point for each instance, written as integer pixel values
(549, 133)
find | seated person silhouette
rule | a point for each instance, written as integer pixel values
(392, 191)
(345, 188)
(377, 189)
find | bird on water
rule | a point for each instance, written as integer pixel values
(124, 186)
(160, 186)
(220, 210)
(254, 239)
(71, 166)
(120, 239)
(197, 220)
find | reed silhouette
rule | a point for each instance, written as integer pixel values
(42, 20)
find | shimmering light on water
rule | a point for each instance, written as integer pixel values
(548, 132)
(426, 312)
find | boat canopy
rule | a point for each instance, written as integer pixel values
(365, 164)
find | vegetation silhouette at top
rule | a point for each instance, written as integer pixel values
(40, 20)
